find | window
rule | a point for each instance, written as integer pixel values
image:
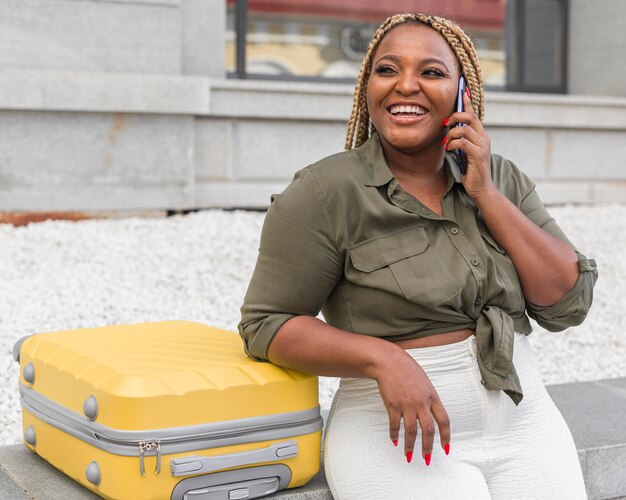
(536, 45)
(325, 40)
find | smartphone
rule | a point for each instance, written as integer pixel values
(461, 156)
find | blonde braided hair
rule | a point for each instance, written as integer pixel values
(359, 125)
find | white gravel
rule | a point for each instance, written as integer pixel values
(61, 275)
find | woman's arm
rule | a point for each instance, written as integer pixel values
(547, 267)
(307, 344)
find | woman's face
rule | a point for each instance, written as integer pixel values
(412, 87)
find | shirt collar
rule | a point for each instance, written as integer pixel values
(377, 172)
(453, 173)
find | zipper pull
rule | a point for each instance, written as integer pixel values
(145, 446)
(157, 469)
(142, 449)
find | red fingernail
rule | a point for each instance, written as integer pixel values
(427, 459)
(395, 442)
(467, 91)
(445, 122)
(446, 448)
(447, 147)
(409, 457)
(444, 140)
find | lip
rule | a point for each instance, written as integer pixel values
(405, 119)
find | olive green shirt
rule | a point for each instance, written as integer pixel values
(346, 239)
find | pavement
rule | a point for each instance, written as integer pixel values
(595, 412)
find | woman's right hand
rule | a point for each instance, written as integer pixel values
(409, 395)
(309, 345)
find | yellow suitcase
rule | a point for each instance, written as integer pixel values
(172, 410)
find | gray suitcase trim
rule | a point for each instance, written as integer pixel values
(175, 439)
(197, 464)
(221, 485)
(17, 346)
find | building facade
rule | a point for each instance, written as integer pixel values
(118, 105)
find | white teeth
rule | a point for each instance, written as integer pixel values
(406, 109)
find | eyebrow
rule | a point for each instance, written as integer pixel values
(428, 60)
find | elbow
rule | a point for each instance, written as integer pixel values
(258, 332)
(555, 286)
(571, 310)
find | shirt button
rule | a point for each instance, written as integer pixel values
(475, 262)
(477, 302)
(454, 230)
(483, 382)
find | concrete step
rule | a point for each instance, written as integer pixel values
(594, 411)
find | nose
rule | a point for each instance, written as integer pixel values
(407, 83)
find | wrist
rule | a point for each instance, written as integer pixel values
(486, 196)
(384, 357)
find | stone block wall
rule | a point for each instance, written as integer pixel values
(117, 105)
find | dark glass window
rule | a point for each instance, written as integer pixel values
(325, 40)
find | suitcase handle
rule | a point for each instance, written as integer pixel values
(188, 466)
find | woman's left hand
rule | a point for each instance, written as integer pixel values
(472, 139)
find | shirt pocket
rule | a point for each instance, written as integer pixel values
(405, 264)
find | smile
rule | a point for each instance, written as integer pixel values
(406, 110)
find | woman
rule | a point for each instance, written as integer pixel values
(425, 278)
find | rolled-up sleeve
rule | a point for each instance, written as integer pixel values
(572, 309)
(297, 267)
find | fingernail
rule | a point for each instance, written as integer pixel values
(444, 140)
(447, 147)
(467, 91)
(427, 459)
(445, 122)
(395, 442)
(446, 448)
(409, 457)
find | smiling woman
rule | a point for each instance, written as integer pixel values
(426, 278)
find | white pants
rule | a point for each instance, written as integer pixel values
(497, 451)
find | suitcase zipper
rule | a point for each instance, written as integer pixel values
(149, 445)
(253, 429)
(155, 445)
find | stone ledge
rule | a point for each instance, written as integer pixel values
(593, 410)
(27, 89)
(96, 91)
(595, 414)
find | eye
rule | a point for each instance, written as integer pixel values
(383, 69)
(434, 72)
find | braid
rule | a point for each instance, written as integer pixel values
(359, 126)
